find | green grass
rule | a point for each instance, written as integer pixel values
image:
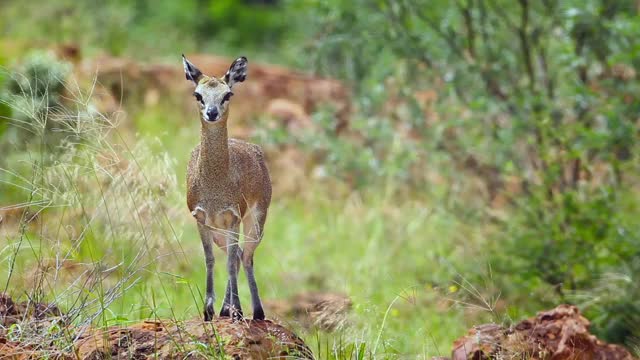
(390, 259)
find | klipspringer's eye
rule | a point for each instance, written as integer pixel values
(227, 96)
(198, 97)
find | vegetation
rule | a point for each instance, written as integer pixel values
(549, 89)
(490, 168)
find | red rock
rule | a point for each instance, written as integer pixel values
(247, 339)
(558, 334)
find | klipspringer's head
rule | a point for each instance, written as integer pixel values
(214, 94)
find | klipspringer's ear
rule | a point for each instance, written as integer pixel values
(237, 71)
(191, 72)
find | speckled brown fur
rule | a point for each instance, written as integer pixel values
(226, 173)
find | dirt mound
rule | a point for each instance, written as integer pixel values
(12, 312)
(192, 339)
(248, 339)
(558, 334)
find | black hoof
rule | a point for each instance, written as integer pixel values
(228, 311)
(237, 315)
(208, 314)
(258, 314)
(232, 313)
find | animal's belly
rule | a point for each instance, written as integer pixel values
(225, 219)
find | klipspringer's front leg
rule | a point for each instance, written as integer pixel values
(207, 245)
(231, 306)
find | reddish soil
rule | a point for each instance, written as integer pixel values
(558, 334)
(13, 313)
(248, 339)
(192, 339)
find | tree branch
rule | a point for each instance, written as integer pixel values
(524, 42)
(471, 33)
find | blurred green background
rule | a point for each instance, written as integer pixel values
(439, 163)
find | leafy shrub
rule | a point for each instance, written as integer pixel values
(36, 85)
(541, 92)
(245, 24)
(31, 100)
(133, 27)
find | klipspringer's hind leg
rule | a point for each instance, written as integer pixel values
(253, 225)
(232, 306)
(207, 245)
(224, 311)
(247, 261)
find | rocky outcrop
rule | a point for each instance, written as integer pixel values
(37, 331)
(558, 334)
(222, 337)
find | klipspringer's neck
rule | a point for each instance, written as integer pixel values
(214, 150)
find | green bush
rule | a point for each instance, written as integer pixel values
(244, 24)
(34, 90)
(40, 76)
(133, 27)
(538, 91)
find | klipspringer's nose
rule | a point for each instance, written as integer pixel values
(212, 114)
